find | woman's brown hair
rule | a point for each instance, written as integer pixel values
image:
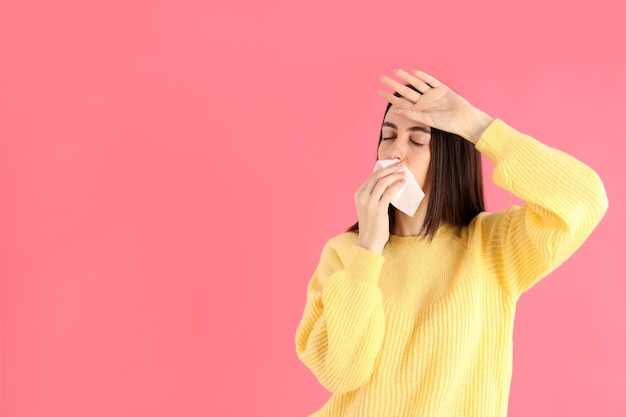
(456, 182)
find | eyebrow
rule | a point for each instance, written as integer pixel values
(411, 129)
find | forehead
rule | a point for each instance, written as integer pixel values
(402, 122)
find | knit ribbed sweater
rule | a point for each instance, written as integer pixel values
(425, 329)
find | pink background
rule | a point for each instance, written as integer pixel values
(170, 170)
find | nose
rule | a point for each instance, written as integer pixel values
(398, 149)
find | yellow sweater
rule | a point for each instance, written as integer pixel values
(425, 330)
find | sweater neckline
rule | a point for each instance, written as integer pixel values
(443, 230)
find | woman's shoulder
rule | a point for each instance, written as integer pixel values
(483, 222)
(337, 252)
(486, 217)
(342, 242)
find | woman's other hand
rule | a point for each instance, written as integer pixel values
(436, 105)
(372, 201)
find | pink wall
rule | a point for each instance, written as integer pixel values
(169, 172)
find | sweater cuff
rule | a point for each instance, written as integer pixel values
(365, 264)
(496, 139)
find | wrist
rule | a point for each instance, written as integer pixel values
(477, 126)
(370, 247)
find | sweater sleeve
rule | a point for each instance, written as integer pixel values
(342, 327)
(564, 201)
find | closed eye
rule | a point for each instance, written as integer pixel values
(413, 142)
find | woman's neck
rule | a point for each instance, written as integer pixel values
(405, 225)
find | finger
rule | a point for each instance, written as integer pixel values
(404, 91)
(391, 190)
(414, 81)
(399, 102)
(373, 179)
(385, 183)
(390, 169)
(432, 81)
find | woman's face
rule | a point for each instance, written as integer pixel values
(408, 141)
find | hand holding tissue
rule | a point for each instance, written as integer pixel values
(408, 199)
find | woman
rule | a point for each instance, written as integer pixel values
(413, 316)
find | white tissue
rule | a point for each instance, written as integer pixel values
(409, 197)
